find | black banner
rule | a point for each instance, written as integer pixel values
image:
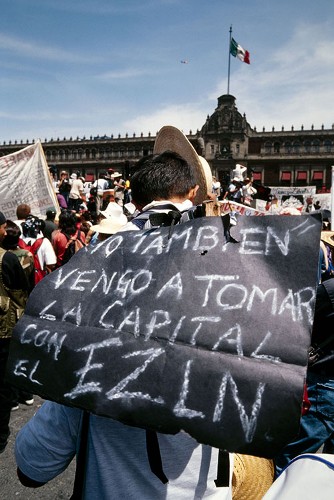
(186, 333)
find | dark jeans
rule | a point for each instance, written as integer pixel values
(317, 426)
(8, 394)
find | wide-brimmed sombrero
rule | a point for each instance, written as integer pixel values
(252, 477)
(170, 138)
(328, 237)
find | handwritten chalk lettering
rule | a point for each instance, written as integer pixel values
(60, 279)
(265, 356)
(207, 238)
(227, 288)
(236, 296)
(204, 236)
(176, 330)
(81, 387)
(173, 285)
(157, 245)
(154, 323)
(303, 227)
(44, 338)
(75, 312)
(257, 293)
(118, 392)
(24, 368)
(293, 302)
(104, 314)
(133, 282)
(141, 238)
(44, 315)
(79, 280)
(111, 245)
(202, 319)
(180, 409)
(252, 243)
(237, 341)
(211, 278)
(131, 323)
(103, 279)
(179, 236)
(248, 423)
(306, 304)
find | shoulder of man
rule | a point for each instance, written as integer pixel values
(13, 275)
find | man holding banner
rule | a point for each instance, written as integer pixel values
(173, 330)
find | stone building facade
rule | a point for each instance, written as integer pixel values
(275, 158)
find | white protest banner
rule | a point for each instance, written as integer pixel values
(232, 206)
(25, 178)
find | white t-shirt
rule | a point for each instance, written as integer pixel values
(46, 254)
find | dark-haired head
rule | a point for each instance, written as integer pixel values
(32, 226)
(13, 233)
(67, 222)
(22, 211)
(162, 177)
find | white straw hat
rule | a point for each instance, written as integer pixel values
(110, 225)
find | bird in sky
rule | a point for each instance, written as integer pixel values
(184, 61)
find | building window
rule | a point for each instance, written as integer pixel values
(277, 147)
(301, 178)
(296, 147)
(301, 175)
(307, 145)
(328, 146)
(286, 176)
(288, 147)
(267, 148)
(257, 176)
(318, 175)
(315, 146)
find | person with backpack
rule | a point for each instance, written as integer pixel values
(67, 239)
(10, 242)
(13, 297)
(317, 425)
(41, 248)
(26, 258)
(121, 461)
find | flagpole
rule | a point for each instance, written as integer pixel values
(229, 62)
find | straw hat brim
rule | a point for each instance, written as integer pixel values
(252, 477)
(110, 225)
(170, 138)
(328, 237)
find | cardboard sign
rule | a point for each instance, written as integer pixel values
(187, 333)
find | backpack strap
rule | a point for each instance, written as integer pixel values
(154, 456)
(165, 215)
(223, 469)
(328, 284)
(2, 253)
(36, 246)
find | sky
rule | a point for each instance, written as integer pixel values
(73, 68)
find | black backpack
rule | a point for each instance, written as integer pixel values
(74, 244)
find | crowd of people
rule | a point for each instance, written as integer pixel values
(123, 461)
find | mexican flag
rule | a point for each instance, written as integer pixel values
(237, 51)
